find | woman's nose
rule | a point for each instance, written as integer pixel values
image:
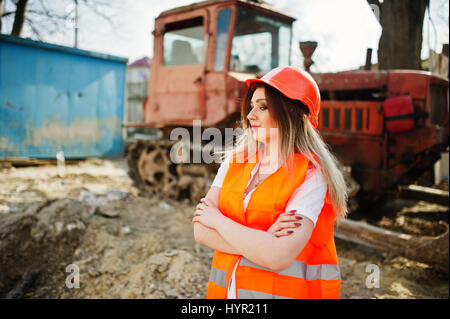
(251, 115)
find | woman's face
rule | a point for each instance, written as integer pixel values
(263, 125)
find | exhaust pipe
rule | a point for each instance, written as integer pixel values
(308, 48)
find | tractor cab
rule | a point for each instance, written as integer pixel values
(203, 53)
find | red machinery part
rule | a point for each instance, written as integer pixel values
(398, 113)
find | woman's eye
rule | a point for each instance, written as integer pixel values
(262, 107)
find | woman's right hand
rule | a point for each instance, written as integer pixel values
(285, 224)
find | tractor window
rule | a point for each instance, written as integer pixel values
(183, 42)
(223, 25)
(260, 43)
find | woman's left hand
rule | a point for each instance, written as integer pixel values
(207, 214)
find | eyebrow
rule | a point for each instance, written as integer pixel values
(251, 102)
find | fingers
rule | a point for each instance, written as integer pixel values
(285, 232)
(289, 218)
(197, 215)
(287, 223)
(206, 201)
(282, 226)
(200, 206)
(290, 215)
(198, 212)
(286, 229)
(286, 214)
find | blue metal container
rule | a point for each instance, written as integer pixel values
(54, 97)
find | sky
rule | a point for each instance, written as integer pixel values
(343, 29)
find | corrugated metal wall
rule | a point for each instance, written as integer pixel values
(55, 97)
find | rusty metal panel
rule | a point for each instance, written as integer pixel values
(177, 90)
(362, 117)
(54, 97)
(357, 150)
(412, 83)
(404, 146)
(355, 80)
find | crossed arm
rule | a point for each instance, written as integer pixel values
(213, 229)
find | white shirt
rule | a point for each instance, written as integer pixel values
(308, 199)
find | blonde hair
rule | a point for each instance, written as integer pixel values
(297, 136)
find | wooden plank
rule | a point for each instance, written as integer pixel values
(427, 194)
(430, 250)
(24, 161)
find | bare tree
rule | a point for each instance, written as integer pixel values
(401, 38)
(47, 17)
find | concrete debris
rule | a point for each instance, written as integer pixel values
(165, 206)
(116, 194)
(124, 231)
(4, 209)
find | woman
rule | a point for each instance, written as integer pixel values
(270, 212)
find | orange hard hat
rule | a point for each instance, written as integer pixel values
(295, 84)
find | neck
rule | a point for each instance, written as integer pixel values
(270, 156)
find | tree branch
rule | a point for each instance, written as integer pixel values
(33, 29)
(48, 14)
(8, 13)
(43, 18)
(88, 4)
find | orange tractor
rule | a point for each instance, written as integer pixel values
(386, 127)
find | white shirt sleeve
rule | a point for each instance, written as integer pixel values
(309, 198)
(221, 172)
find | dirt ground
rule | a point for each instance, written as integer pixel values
(142, 246)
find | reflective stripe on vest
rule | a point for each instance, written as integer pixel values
(299, 269)
(217, 276)
(251, 294)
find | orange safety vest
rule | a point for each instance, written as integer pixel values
(314, 273)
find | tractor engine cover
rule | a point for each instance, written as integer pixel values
(399, 114)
